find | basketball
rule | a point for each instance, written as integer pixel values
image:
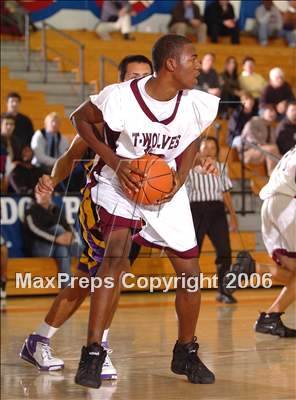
(157, 183)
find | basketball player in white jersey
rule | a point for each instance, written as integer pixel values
(278, 215)
(164, 116)
(36, 348)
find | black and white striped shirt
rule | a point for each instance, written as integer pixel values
(202, 187)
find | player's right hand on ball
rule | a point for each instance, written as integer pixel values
(46, 184)
(129, 181)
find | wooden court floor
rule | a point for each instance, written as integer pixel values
(247, 365)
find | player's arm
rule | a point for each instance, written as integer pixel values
(83, 118)
(63, 166)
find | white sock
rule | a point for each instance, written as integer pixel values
(105, 335)
(46, 330)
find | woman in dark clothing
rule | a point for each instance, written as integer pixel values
(230, 90)
(240, 116)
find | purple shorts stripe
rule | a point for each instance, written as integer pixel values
(191, 253)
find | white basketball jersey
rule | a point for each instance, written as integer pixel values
(132, 129)
(283, 177)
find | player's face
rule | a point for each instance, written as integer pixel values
(137, 70)
(188, 67)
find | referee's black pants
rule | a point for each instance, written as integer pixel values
(209, 218)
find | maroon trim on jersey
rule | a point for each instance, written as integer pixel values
(110, 222)
(191, 253)
(283, 252)
(146, 109)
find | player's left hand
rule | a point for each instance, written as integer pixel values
(176, 186)
(208, 166)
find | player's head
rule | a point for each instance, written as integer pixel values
(175, 55)
(134, 66)
(291, 111)
(209, 147)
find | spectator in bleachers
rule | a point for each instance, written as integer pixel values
(269, 21)
(289, 23)
(7, 150)
(250, 81)
(186, 19)
(278, 92)
(260, 131)
(208, 79)
(220, 20)
(286, 129)
(230, 90)
(48, 144)
(24, 177)
(23, 125)
(239, 118)
(51, 235)
(115, 16)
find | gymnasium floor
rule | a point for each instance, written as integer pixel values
(247, 365)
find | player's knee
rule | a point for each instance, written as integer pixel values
(115, 266)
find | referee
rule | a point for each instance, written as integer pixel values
(209, 195)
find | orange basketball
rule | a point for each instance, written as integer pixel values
(157, 183)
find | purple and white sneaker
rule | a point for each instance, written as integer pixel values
(36, 351)
(108, 370)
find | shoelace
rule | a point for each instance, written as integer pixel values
(46, 352)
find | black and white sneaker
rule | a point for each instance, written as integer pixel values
(90, 366)
(186, 362)
(271, 323)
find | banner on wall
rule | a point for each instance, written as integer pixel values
(40, 10)
(12, 215)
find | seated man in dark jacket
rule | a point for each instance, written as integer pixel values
(51, 235)
(186, 19)
(220, 19)
(286, 130)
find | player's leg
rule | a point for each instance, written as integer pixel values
(185, 358)
(270, 322)
(115, 262)
(36, 349)
(279, 230)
